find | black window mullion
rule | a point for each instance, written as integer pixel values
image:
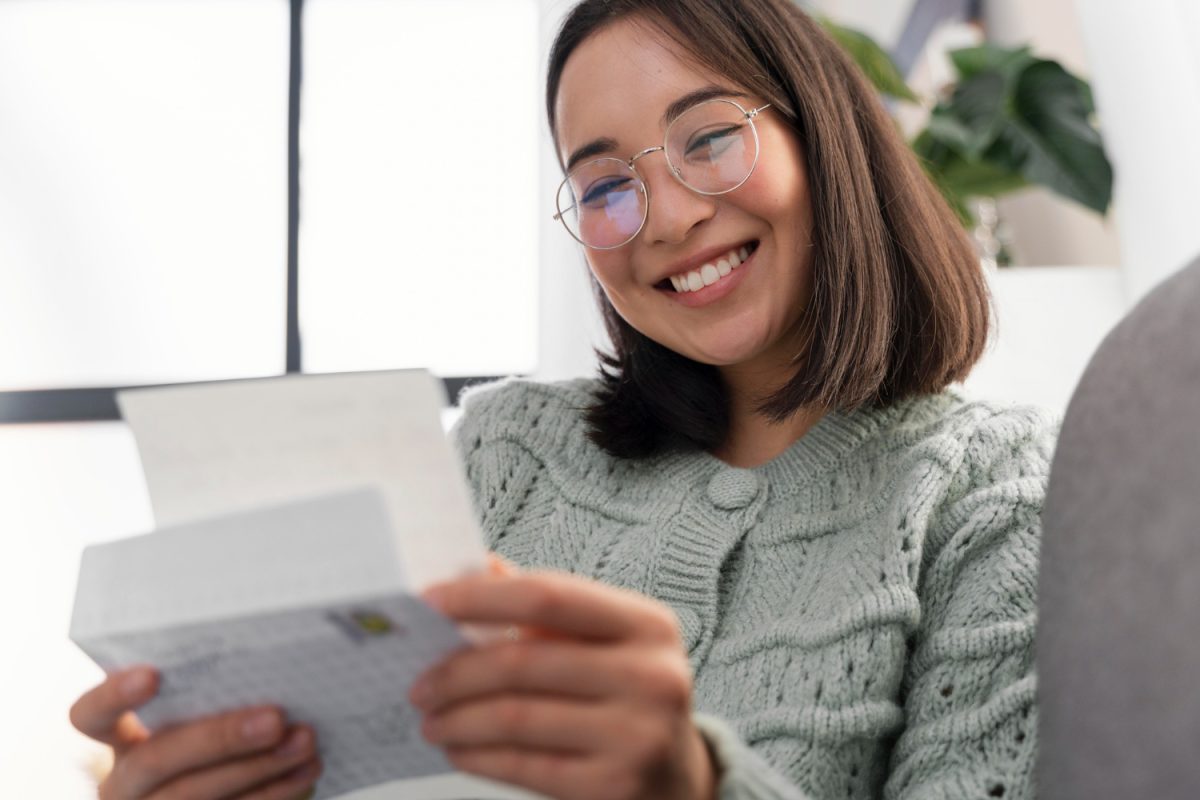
(295, 73)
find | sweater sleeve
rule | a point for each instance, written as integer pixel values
(742, 773)
(969, 685)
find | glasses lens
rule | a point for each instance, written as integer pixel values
(603, 203)
(713, 147)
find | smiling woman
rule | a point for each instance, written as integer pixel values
(864, 271)
(767, 552)
(770, 456)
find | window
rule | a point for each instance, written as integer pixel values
(419, 186)
(145, 189)
(144, 238)
(143, 165)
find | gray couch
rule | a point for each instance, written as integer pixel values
(1118, 643)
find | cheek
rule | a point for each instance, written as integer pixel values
(780, 184)
(613, 273)
(610, 270)
(773, 198)
(606, 272)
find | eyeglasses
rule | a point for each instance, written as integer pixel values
(711, 149)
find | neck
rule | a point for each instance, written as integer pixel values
(753, 438)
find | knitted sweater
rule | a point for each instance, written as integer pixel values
(858, 613)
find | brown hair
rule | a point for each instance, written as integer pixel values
(900, 306)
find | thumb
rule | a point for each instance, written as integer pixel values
(501, 567)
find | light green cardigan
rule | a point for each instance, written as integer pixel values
(859, 612)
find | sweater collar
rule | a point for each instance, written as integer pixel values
(834, 437)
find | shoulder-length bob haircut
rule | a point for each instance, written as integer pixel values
(900, 306)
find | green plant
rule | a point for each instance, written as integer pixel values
(1011, 120)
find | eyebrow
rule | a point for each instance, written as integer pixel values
(606, 144)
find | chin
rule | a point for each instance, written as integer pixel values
(725, 353)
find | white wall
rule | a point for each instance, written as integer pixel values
(1049, 321)
(882, 20)
(62, 487)
(1146, 61)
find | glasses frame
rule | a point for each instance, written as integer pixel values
(747, 114)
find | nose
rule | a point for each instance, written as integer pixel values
(674, 209)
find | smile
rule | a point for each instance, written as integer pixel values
(711, 281)
(708, 274)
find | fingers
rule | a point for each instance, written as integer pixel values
(102, 713)
(172, 763)
(285, 771)
(537, 723)
(295, 785)
(559, 602)
(498, 565)
(551, 774)
(194, 745)
(582, 671)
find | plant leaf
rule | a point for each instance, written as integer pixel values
(1051, 133)
(978, 103)
(945, 127)
(981, 178)
(1013, 120)
(970, 61)
(960, 179)
(874, 62)
(936, 157)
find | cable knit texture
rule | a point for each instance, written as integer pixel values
(859, 612)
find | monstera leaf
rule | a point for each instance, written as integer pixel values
(1011, 121)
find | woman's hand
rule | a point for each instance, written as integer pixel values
(250, 754)
(591, 700)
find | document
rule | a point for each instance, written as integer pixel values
(220, 447)
(298, 518)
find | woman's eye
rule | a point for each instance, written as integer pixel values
(712, 143)
(597, 194)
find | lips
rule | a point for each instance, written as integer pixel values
(713, 292)
(707, 268)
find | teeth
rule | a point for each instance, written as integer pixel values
(709, 274)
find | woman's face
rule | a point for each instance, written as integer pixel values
(617, 85)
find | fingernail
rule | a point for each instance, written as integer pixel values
(295, 744)
(263, 726)
(135, 684)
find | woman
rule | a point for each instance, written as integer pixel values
(769, 554)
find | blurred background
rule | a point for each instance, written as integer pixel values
(194, 190)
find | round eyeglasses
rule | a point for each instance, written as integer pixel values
(711, 149)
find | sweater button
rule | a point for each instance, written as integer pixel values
(733, 488)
